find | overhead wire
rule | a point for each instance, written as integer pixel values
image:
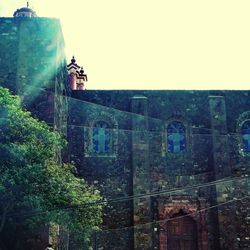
(133, 197)
(162, 122)
(160, 192)
(179, 217)
(136, 131)
(124, 112)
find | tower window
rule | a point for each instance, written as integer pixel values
(176, 137)
(245, 133)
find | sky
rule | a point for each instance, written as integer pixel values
(154, 44)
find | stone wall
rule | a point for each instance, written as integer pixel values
(140, 163)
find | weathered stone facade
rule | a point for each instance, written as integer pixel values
(33, 65)
(158, 157)
(202, 181)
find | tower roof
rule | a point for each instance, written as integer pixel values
(25, 12)
(73, 64)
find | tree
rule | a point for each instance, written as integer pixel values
(34, 188)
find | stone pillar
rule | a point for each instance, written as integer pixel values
(72, 78)
(221, 193)
(222, 166)
(141, 180)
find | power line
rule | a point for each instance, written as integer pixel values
(162, 133)
(179, 217)
(146, 195)
(104, 202)
(121, 111)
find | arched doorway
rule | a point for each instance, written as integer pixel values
(181, 233)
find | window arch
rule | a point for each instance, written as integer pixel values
(101, 138)
(245, 134)
(176, 137)
(101, 135)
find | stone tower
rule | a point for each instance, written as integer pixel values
(25, 12)
(76, 75)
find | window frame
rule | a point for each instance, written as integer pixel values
(88, 135)
(186, 151)
(109, 128)
(168, 134)
(243, 118)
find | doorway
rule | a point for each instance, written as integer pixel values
(181, 233)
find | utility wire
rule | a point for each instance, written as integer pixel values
(116, 110)
(146, 195)
(121, 199)
(162, 133)
(146, 131)
(157, 222)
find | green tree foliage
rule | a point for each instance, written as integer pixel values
(34, 188)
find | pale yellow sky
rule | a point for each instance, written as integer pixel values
(154, 44)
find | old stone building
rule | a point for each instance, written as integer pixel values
(172, 165)
(182, 156)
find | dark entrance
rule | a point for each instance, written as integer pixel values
(181, 233)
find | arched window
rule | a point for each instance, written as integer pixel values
(245, 133)
(176, 137)
(102, 138)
